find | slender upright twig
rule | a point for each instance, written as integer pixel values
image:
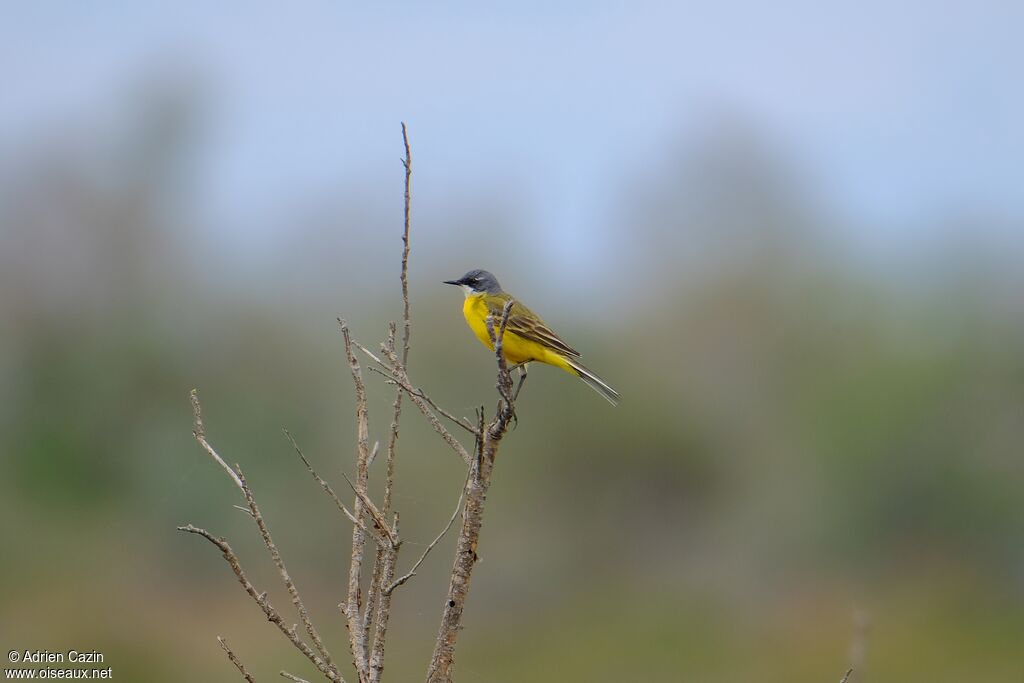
(378, 604)
(405, 239)
(388, 556)
(356, 633)
(406, 319)
(389, 474)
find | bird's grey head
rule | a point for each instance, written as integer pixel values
(477, 282)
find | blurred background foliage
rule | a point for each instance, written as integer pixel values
(806, 431)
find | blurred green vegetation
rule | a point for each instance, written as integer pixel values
(801, 435)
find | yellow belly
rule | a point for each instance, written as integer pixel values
(515, 349)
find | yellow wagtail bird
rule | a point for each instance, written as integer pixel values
(526, 338)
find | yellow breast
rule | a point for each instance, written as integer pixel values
(514, 348)
(476, 313)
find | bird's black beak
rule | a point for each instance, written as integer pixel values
(452, 282)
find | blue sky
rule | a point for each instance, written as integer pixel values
(900, 112)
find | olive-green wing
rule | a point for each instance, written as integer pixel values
(526, 324)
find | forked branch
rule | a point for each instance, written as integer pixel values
(290, 632)
(321, 658)
(367, 615)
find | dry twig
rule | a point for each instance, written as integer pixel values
(234, 660)
(283, 571)
(391, 378)
(370, 508)
(356, 634)
(263, 602)
(403, 379)
(406, 320)
(199, 432)
(323, 484)
(254, 512)
(412, 572)
(387, 557)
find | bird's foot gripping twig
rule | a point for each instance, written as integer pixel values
(507, 404)
(523, 369)
(505, 389)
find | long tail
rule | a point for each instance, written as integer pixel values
(594, 382)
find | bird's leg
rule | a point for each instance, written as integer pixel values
(511, 400)
(523, 369)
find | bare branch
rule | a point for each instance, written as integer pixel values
(389, 478)
(275, 555)
(458, 421)
(373, 594)
(326, 487)
(371, 618)
(384, 566)
(465, 559)
(405, 250)
(357, 635)
(412, 572)
(845, 678)
(390, 377)
(369, 353)
(388, 556)
(406, 322)
(478, 447)
(234, 660)
(199, 432)
(264, 604)
(399, 372)
(374, 512)
(362, 414)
